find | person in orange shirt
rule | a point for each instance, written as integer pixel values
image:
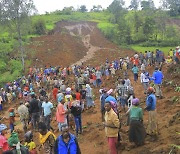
(55, 91)
(78, 95)
(61, 115)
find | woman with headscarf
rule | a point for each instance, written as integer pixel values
(3, 140)
(136, 129)
(89, 96)
(151, 108)
(15, 146)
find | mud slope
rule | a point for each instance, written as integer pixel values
(69, 43)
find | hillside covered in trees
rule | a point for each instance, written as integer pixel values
(139, 25)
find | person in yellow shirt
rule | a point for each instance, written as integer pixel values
(29, 143)
(171, 53)
(112, 126)
(169, 60)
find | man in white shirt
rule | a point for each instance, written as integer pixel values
(145, 80)
(47, 107)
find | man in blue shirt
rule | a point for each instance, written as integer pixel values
(158, 77)
(66, 143)
(47, 107)
(151, 108)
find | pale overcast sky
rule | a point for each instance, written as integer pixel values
(52, 5)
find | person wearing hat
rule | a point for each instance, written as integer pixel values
(112, 126)
(110, 96)
(136, 128)
(151, 108)
(24, 115)
(89, 96)
(177, 55)
(66, 143)
(3, 140)
(15, 146)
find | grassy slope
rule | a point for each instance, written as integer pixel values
(51, 19)
(143, 49)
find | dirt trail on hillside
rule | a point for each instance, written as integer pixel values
(86, 39)
(75, 42)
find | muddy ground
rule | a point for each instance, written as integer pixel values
(73, 43)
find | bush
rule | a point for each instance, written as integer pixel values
(15, 65)
(165, 43)
(2, 65)
(39, 27)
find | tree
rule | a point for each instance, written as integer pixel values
(97, 8)
(116, 8)
(83, 8)
(134, 4)
(15, 13)
(39, 27)
(148, 26)
(68, 10)
(146, 5)
(172, 5)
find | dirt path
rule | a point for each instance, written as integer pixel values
(86, 39)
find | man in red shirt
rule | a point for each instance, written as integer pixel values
(55, 91)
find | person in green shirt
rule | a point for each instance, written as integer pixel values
(136, 128)
(135, 71)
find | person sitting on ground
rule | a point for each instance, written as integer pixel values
(66, 143)
(46, 139)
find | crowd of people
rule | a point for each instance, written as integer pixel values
(65, 93)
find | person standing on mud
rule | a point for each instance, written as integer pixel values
(136, 129)
(158, 77)
(34, 110)
(46, 139)
(151, 108)
(66, 143)
(24, 115)
(135, 71)
(112, 126)
(47, 107)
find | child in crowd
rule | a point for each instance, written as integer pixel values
(11, 119)
(29, 143)
(46, 139)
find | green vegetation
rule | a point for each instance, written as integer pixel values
(141, 29)
(143, 49)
